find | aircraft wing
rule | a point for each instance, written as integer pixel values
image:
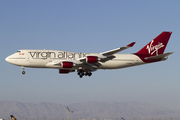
(90, 61)
(108, 54)
(102, 57)
(111, 52)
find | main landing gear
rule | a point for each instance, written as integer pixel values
(81, 73)
(23, 72)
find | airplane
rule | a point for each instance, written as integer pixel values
(12, 117)
(86, 63)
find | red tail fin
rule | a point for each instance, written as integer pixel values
(157, 45)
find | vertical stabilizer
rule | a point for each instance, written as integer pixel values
(12, 117)
(157, 45)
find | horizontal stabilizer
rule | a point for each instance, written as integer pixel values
(161, 56)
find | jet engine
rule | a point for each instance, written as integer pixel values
(63, 71)
(91, 59)
(67, 64)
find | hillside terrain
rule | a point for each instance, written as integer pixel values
(83, 110)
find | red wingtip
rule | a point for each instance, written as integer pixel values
(131, 44)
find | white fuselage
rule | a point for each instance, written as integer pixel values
(44, 58)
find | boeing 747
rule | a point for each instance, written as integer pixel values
(85, 63)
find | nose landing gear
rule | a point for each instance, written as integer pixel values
(23, 72)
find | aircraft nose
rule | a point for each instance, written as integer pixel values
(7, 59)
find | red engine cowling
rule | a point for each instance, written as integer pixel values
(63, 71)
(67, 64)
(92, 59)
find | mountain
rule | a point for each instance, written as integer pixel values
(46, 110)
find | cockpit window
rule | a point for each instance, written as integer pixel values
(18, 51)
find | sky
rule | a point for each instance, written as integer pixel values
(90, 26)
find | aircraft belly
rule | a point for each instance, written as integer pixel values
(122, 62)
(116, 64)
(19, 62)
(37, 63)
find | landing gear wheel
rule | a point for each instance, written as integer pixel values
(81, 74)
(86, 73)
(89, 74)
(23, 72)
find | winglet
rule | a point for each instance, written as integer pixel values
(131, 44)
